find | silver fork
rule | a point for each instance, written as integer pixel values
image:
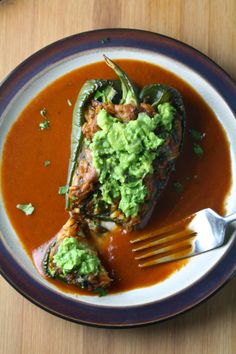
(195, 234)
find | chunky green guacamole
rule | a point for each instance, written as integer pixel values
(123, 154)
(73, 255)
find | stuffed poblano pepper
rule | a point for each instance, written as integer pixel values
(125, 142)
(73, 259)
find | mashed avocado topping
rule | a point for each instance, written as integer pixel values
(166, 115)
(73, 255)
(123, 154)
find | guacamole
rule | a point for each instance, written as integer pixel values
(123, 154)
(73, 255)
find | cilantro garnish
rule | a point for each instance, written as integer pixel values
(44, 125)
(198, 150)
(196, 135)
(47, 163)
(101, 292)
(178, 187)
(62, 190)
(28, 209)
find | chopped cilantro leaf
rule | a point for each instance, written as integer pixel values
(44, 125)
(101, 292)
(62, 190)
(198, 150)
(178, 187)
(196, 135)
(28, 209)
(47, 163)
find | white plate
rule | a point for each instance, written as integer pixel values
(45, 67)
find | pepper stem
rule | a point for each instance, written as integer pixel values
(128, 91)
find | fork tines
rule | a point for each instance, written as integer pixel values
(166, 244)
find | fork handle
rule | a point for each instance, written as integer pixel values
(230, 218)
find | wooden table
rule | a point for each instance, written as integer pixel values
(26, 26)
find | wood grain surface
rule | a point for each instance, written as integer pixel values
(26, 26)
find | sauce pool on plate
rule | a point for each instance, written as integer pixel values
(35, 162)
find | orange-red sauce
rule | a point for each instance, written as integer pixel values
(205, 180)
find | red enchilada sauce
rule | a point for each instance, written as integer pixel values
(199, 181)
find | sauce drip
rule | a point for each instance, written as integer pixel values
(25, 178)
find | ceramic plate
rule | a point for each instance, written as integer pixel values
(203, 274)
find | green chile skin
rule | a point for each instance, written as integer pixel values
(152, 94)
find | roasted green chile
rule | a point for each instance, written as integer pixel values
(72, 259)
(86, 93)
(161, 103)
